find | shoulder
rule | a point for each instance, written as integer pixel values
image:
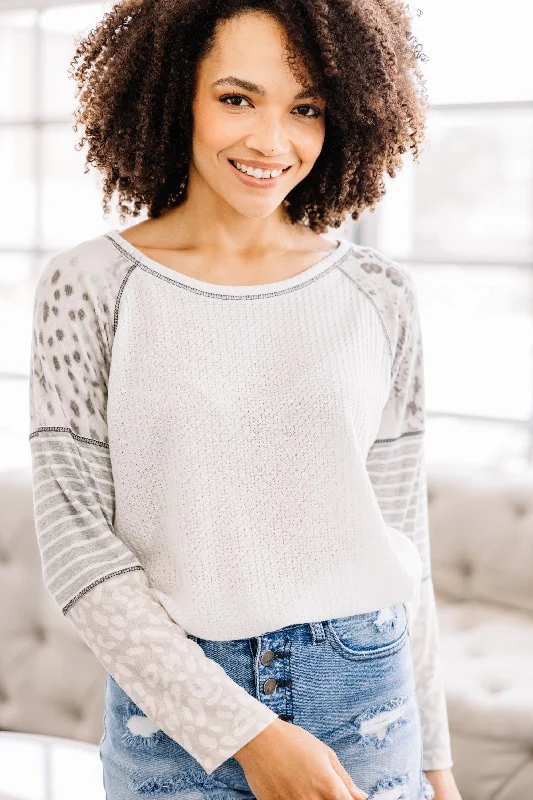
(79, 280)
(93, 261)
(379, 274)
(387, 284)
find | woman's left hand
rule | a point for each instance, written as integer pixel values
(443, 783)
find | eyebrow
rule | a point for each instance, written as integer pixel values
(231, 80)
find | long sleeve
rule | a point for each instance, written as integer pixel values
(96, 579)
(396, 468)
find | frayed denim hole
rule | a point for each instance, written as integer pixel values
(157, 787)
(385, 619)
(138, 740)
(195, 779)
(390, 789)
(381, 738)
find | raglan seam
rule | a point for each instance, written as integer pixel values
(119, 295)
(407, 334)
(378, 312)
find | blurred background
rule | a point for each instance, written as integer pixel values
(461, 220)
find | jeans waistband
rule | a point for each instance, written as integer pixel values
(317, 630)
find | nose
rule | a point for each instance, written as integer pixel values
(269, 137)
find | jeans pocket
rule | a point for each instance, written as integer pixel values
(369, 635)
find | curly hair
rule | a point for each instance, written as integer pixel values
(135, 74)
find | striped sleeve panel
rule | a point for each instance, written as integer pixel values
(396, 468)
(73, 509)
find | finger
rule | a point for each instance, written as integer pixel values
(348, 793)
(352, 788)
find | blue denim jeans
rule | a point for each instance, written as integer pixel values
(348, 681)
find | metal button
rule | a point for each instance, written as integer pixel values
(269, 686)
(267, 657)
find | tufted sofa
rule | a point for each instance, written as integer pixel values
(482, 562)
(482, 557)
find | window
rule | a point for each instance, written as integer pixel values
(47, 202)
(461, 219)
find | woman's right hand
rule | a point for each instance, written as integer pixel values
(286, 762)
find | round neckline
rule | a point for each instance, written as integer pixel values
(308, 274)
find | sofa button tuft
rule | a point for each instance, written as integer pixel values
(40, 633)
(520, 509)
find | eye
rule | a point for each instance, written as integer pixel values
(233, 96)
(318, 112)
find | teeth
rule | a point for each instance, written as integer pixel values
(256, 172)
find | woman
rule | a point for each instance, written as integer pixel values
(222, 400)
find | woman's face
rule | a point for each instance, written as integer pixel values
(270, 119)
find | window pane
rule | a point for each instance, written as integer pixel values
(477, 50)
(17, 199)
(471, 195)
(72, 201)
(60, 26)
(16, 293)
(478, 336)
(14, 428)
(17, 64)
(461, 443)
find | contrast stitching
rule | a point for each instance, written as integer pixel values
(74, 436)
(95, 583)
(407, 433)
(376, 309)
(205, 293)
(119, 295)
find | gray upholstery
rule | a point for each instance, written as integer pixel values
(482, 558)
(50, 682)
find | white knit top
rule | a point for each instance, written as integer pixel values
(225, 461)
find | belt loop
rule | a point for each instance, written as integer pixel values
(317, 632)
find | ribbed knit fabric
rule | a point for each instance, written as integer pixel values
(225, 461)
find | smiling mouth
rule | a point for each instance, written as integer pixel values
(253, 176)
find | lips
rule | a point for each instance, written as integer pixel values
(251, 181)
(231, 161)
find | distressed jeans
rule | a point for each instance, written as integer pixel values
(348, 681)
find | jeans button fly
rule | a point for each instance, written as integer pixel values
(267, 658)
(269, 686)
